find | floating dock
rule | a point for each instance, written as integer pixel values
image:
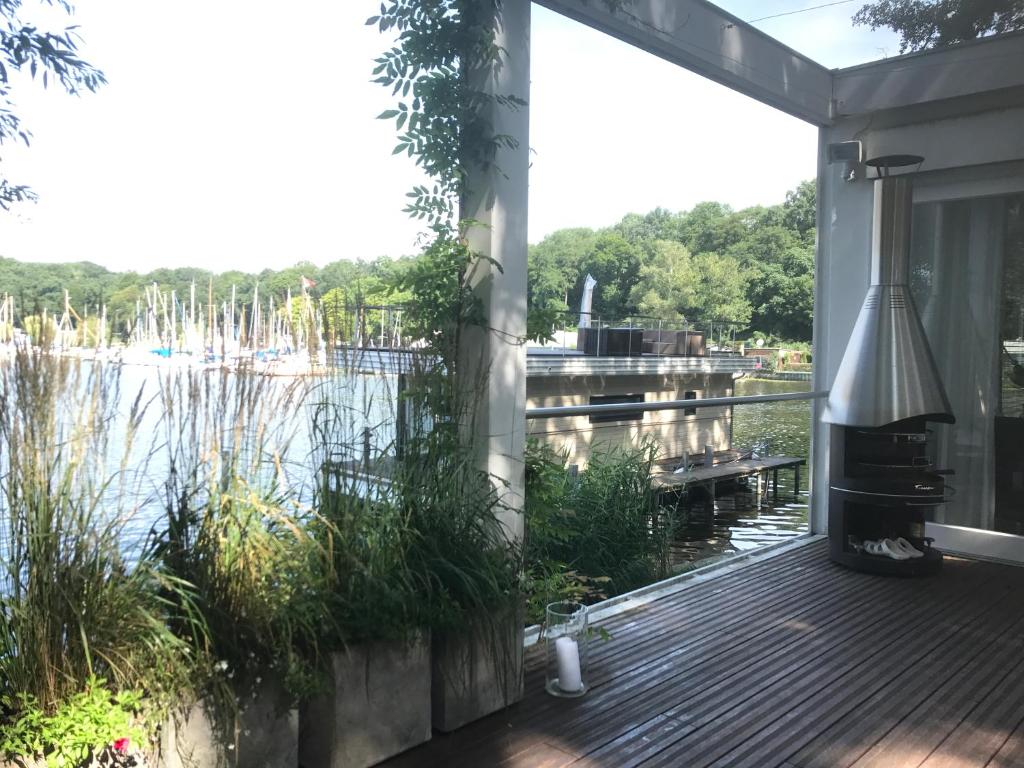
(733, 470)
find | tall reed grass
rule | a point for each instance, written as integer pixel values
(596, 535)
(416, 541)
(236, 530)
(74, 603)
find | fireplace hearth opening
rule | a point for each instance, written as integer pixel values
(885, 488)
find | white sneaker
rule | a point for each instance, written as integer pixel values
(891, 549)
(907, 548)
(874, 548)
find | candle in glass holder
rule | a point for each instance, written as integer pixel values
(569, 678)
(565, 643)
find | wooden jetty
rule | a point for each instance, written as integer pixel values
(733, 470)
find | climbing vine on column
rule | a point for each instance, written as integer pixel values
(444, 48)
(440, 117)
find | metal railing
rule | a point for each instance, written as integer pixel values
(557, 411)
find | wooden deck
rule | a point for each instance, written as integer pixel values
(790, 662)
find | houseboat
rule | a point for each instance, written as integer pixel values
(633, 365)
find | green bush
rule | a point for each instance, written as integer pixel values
(92, 722)
(594, 536)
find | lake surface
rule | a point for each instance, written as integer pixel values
(735, 522)
(201, 417)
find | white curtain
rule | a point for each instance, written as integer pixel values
(956, 272)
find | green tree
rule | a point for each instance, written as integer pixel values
(554, 265)
(668, 283)
(47, 56)
(711, 227)
(779, 264)
(340, 273)
(615, 264)
(722, 289)
(278, 283)
(934, 23)
(782, 294)
(353, 303)
(800, 211)
(659, 224)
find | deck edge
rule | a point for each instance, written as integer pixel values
(627, 601)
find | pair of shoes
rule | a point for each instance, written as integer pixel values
(907, 548)
(896, 549)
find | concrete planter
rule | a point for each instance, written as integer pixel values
(266, 735)
(477, 672)
(378, 705)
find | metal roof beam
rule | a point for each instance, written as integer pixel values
(969, 69)
(705, 39)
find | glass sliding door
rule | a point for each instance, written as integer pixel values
(1009, 418)
(967, 277)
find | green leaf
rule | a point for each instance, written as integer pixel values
(387, 114)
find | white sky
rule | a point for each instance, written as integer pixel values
(240, 134)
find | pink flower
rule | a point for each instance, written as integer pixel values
(121, 745)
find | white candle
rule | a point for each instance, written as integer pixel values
(568, 654)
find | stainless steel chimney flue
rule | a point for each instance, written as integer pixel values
(888, 373)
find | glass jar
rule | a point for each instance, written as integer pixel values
(565, 640)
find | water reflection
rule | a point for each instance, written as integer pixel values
(736, 520)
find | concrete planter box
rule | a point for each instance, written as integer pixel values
(266, 735)
(377, 705)
(477, 672)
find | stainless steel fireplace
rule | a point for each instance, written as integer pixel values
(884, 485)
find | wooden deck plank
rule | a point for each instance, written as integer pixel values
(738, 665)
(732, 470)
(847, 695)
(741, 614)
(914, 737)
(1011, 754)
(636, 745)
(756, 578)
(733, 718)
(539, 709)
(540, 755)
(605, 705)
(659, 683)
(980, 735)
(850, 737)
(765, 572)
(597, 715)
(789, 662)
(659, 687)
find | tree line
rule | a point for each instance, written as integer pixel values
(753, 268)
(38, 286)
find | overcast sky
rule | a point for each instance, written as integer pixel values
(241, 134)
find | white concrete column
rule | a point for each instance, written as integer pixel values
(841, 277)
(497, 197)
